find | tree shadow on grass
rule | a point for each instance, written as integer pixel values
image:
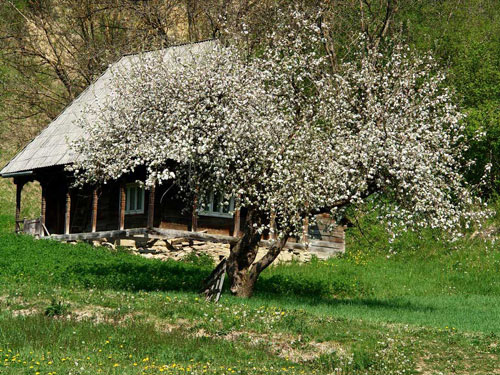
(135, 276)
(393, 304)
(121, 274)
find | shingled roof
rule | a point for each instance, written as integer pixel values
(51, 146)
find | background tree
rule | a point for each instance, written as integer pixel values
(52, 50)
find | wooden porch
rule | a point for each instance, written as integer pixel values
(58, 222)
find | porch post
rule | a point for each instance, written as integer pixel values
(122, 206)
(194, 216)
(67, 216)
(95, 199)
(151, 207)
(272, 225)
(237, 218)
(305, 230)
(19, 189)
(43, 209)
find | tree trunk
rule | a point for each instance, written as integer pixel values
(243, 283)
(242, 255)
(241, 269)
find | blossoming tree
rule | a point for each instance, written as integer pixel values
(286, 136)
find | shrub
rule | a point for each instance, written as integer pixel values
(57, 308)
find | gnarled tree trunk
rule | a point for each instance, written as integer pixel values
(242, 269)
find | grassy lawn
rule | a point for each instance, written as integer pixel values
(82, 310)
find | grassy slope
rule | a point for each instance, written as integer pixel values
(430, 311)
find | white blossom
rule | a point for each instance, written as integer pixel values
(285, 133)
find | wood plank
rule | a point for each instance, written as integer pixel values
(199, 236)
(326, 250)
(288, 245)
(325, 243)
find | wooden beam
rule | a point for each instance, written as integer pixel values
(123, 201)
(95, 200)
(19, 189)
(197, 236)
(43, 209)
(98, 235)
(151, 207)
(67, 216)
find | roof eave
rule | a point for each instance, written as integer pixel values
(16, 174)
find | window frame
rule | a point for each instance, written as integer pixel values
(135, 187)
(208, 210)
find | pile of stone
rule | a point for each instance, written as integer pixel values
(178, 248)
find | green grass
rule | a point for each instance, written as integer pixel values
(420, 306)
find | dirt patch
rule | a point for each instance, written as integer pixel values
(286, 346)
(25, 312)
(99, 314)
(170, 327)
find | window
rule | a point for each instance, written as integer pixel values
(135, 199)
(214, 206)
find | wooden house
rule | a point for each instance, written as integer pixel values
(68, 213)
